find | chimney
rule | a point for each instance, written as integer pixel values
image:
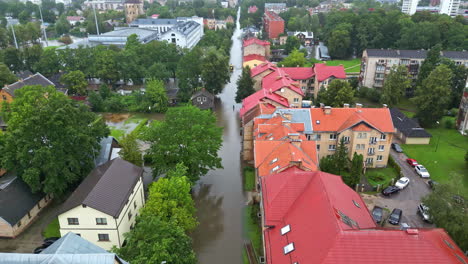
(327, 110)
(346, 106)
(358, 105)
(385, 106)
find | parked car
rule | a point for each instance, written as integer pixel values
(432, 184)
(397, 147)
(39, 249)
(377, 214)
(49, 241)
(421, 170)
(395, 216)
(390, 190)
(402, 182)
(412, 162)
(424, 212)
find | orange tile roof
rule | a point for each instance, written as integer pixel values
(362, 127)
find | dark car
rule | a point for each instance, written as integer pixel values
(432, 184)
(395, 216)
(377, 214)
(390, 190)
(397, 147)
(39, 249)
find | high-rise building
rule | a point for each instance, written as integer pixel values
(133, 8)
(409, 6)
(449, 7)
(273, 23)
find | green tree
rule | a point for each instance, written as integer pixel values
(295, 59)
(327, 164)
(155, 241)
(96, 101)
(341, 156)
(196, 145)
(170, 200)
(449, 213)
(355, 170)
(459, 77)
(292, 43)
(62, 26)
(75, 81)
(395, 85)
(433, 96)
(188, 74)
(158, 71)
(157, 95)
(429, 64)
(51, 140)
(339, 43)
(338, 93)
(130, 150)
(215, 70)
(244, 85)
(106, 65)
(6, 76)
(49, 63)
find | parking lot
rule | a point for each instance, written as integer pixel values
(407, 199)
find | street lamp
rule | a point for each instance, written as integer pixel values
(438, 138)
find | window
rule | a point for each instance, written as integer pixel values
(77, 234)
(134, 205)
(346, 139)
(129, 215)
(331, 147)
(371, 151)
(29, 215)
(73, 221)
(198, 99)
(4, 97)
(379, 157)
(204, 99)
(332, 136)
(318, 137)
(296, 100)
(369, 160)
(83, 205)
(381, 147)
(362, 135)
(360, 146)
(318, 147)
(19, 223)
(383, 137)
(103, 237)
(101, 221)
(288, 248)
(373, 140)
(275, 168)
(39, 205)
(285, 229)
(274, 160)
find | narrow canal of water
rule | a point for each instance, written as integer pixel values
(218, 195)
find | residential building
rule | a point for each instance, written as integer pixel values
(19, 205)
(210, 23)
(409, 7)
(70, 249)
(230, 19)
(324, 74)
(105, 205)
(8, 92)
(186, 34)
(251, 32)
(305, 76)
(462, 120)
(306, 37)
(273, 24)
(263, 96)
(449, 7)
(109, 150)
(313, 217)
(105, 4)
(203, 99)
(133, 9)
(255, 46)
(408, 130)
(376, 64)
(276, 7)
(252, 9)
(75, 19)
(252, 60)
(224, 4)
(232, 3)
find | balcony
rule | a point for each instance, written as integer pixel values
(370, 153)
(373, 142)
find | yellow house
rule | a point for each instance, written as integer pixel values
(105, 205)
(253, 60)
(8, 92)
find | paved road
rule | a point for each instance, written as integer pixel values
(407, 199)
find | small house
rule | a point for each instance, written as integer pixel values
(203, 100)
(408, 130)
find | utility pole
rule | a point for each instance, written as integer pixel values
(14, 35)
(95, 19)
(43, 27)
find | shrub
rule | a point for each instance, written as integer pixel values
(394, 165)
(377, 177)
(449, 123)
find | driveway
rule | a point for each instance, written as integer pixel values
(31, 238)
(407, 199)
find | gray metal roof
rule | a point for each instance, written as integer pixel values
(184, 27)
(407, 126)
(414, 54)
(104, 153)
(107, 188)
(36, 79)
(152, 21)
(16, 198)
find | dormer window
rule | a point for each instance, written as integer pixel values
(285, 229)
(274, 160)
(275, 168)
(288, 248)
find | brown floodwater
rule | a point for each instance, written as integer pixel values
(218, 195)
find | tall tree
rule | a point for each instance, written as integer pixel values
(429, 64)
(244, 85)
(6, 76)
(355, 170)
(188, 73)
(327, 164)
(294, 59)
(157, 96)
(49, 63)
(338, 93)
(395, 85)
(433, 96)
(51, 140)
(341, 156)
(75, 81)
(458, 83)
(339, 43)
(215, 70)
(173, 141)
(292, 43)
(130, 150)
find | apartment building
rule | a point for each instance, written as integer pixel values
(105, 4)
(376, 64)
(449, 7)
(133, 9)
(462, 120)
(273, 24)
(276, 7)
(255, 46)
(105, 205)
(409, 7)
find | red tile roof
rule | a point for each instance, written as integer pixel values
(299, 73)
(257, 41)
(263, 67)
(254, 57)
(330, 224)
(324, 72)
(277, 80)
(343, 118)
(251, 101)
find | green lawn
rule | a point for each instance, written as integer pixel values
(252, 228)
(249, 179)
(353, 65)
(245, 259)
(381, 176)
(117, 133)
(446, 162)
(50, 47)
(52, 229)
(408, 113)
(407, 105)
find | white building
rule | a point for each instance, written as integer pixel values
(105, 4)
(409, 6)
(105, 205)
(449, 7)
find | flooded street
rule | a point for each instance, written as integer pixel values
(218, 195)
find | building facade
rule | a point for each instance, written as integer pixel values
(105, 205)
(276, 7)
(409, 7)
(462, 120)
(273, 24)
(133, 9)
(449, 7)
(255, 46)
(105, 4)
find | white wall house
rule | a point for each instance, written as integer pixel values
(105, 205)
(409, 6)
